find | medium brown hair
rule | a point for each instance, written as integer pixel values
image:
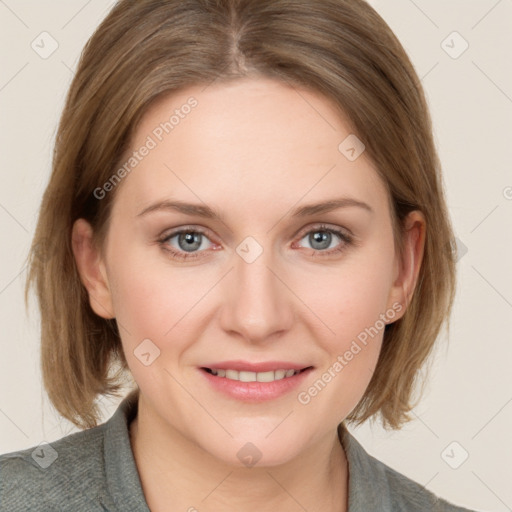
(146, 48)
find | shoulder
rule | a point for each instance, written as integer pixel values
(67, 474)
(408, 495)
(374, 485)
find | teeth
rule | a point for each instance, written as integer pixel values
(254, 376)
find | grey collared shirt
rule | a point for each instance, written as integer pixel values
(94, 470)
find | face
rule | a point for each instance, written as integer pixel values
(265, 281)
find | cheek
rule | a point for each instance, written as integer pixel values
(365, 299)
(350, 298)
(144, 297)
(149, 305)
(152, 299)
(353, 302)
(351, 350)
(356, 319)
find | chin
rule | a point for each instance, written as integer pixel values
(253, 451)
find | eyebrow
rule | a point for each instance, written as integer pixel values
(211, 213)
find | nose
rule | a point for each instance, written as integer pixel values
(258, 305)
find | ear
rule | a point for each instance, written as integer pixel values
(91, 268)
(407, 268)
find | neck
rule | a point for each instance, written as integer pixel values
(176, 474)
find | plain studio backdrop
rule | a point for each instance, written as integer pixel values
(459, 444)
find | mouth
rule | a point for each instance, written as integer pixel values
(254, 382)
(250, 376)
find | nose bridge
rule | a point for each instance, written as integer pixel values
(257, 302)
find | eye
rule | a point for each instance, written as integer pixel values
(321, 238)
(187, 244)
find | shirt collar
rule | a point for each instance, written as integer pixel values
(123, 479)
(368, 488)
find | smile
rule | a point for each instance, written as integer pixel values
(251, 386)
(245, 376)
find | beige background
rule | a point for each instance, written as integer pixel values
(469, 397)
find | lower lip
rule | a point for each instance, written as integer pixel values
(255, 391)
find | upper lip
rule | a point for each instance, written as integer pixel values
(246, 366)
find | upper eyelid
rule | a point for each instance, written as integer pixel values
(323, 226)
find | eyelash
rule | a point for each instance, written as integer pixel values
(345, 238)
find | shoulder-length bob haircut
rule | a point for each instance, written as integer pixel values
(147, 48)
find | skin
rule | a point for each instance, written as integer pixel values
(254, 149)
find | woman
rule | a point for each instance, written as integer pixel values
(246, 215)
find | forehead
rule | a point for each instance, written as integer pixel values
(252, 141)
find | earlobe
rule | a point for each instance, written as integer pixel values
(91, 269)
(408, 267)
